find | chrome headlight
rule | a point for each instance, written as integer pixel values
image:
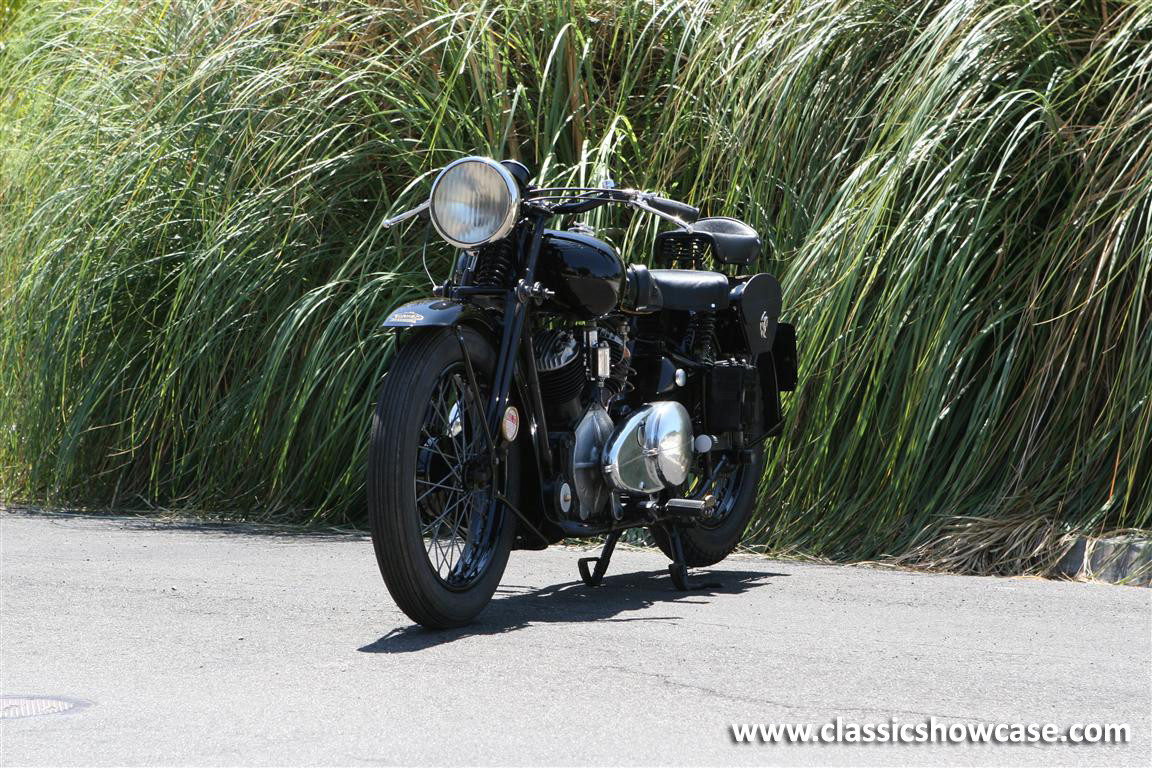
(474, 201)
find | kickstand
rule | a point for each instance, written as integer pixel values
(594, 577)
(678, 570)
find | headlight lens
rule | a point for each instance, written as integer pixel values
(474, 201)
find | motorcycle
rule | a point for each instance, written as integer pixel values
(547, 391)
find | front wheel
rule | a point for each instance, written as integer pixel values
(713, 539)
(440, 530)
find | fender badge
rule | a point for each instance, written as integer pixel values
(405, 317)
(764, 325)
(510, 425)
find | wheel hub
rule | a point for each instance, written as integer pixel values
(477, 473)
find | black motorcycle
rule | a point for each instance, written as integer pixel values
(547, 391)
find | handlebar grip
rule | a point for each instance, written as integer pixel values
(675, 208)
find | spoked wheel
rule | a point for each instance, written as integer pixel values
(712, 539)
(440, 529)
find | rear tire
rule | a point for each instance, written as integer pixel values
(707, 544)
(426, 486)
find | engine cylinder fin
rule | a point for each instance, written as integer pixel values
(559, 365)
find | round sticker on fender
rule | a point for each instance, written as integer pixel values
(510, 425)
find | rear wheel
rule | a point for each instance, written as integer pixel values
(711, 540)
(441, 533)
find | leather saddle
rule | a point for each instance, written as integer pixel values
(728, 241)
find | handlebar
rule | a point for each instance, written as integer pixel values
(587, 201)
(590, 199)
(583, 199)
(674, 208)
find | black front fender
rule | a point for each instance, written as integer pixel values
(435, 313)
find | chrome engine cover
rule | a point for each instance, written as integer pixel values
(650, 449)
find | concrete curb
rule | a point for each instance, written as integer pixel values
(1123, 559)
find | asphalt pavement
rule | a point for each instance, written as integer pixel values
(184, 644)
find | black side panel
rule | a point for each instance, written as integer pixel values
(770, 394)
(757, 301)
(726, 385)
(784, 357)
(734, 400)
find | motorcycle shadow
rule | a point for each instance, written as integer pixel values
(515, 608)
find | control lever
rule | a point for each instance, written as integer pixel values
(388, 223)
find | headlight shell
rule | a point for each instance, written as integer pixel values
(474, 201)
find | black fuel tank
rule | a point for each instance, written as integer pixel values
(586, 274)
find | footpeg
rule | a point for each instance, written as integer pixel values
(690, 508)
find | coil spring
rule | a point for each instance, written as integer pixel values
(684, 251)
(496, 265)
(701, 336)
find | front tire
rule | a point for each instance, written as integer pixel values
(440, 532)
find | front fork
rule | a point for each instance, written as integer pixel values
(513, 341)
(516, 343)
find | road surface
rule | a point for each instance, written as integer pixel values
(208, 645)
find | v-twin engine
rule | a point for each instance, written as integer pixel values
(638, 454)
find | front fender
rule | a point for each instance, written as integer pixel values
(435, 313)
(431, 312)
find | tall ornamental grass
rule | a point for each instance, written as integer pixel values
(8, 10)
(957, 196)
